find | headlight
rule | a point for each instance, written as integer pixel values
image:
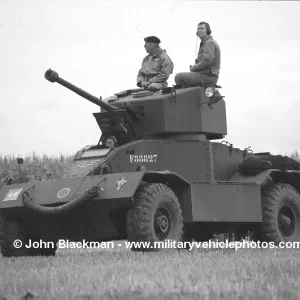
(209, 92)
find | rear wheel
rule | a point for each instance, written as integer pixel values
(155, 217)
(280, 214)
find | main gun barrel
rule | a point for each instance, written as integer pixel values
(52, 76)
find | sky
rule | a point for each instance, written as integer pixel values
(99, 46)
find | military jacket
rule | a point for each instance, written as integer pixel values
(209, 57)
(156, 69)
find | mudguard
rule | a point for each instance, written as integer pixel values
(259, 179)
(53, 192)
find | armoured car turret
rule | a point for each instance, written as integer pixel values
(171, 113)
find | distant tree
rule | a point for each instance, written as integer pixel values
(295, 155)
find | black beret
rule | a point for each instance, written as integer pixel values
(152, 39)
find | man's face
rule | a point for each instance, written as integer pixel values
(149, 47)
(201, 30)
(110, 143)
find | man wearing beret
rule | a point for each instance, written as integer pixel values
(156, 66)
(207, 66)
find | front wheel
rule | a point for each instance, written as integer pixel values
(155, 217)
(14, 237)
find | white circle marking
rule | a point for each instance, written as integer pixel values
(63, 193)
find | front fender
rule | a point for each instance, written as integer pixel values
(165, 177)
(51, 192)
(111, 186)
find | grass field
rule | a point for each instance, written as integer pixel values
(170, 274)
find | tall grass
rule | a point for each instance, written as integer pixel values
(45, 167)
(34, 167)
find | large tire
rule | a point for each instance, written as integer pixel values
(280, 214)
(44, 251)
(11, 230)
(156, 216)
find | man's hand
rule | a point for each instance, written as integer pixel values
(154, 86)
(144, 84)
(193, 68)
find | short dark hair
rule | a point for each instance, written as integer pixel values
(208, 30)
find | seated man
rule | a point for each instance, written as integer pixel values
(206, 69)
(156, 66)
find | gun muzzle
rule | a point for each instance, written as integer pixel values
(51, 75)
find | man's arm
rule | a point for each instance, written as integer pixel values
(141, 77)
(207, 57)
(165, 71)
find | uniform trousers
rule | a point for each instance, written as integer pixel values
(189, 79)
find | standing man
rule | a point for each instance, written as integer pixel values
(156, 66)
(207, 66)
